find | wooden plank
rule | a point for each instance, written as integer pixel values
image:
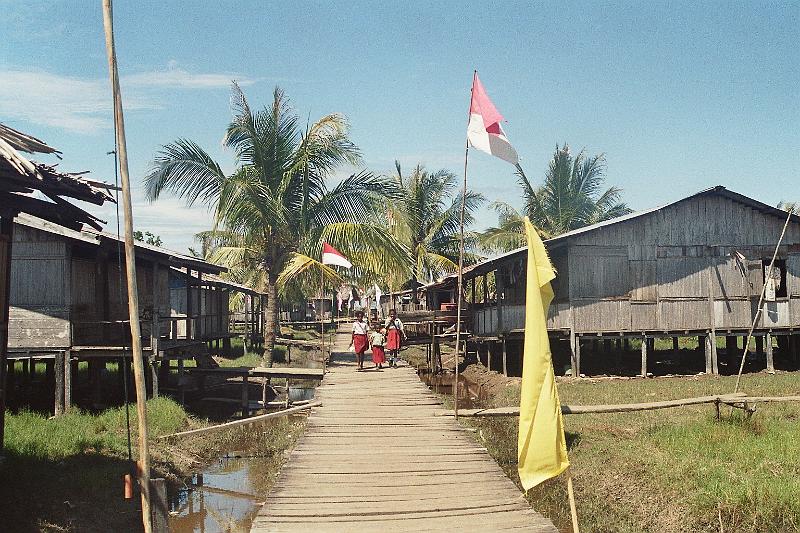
(424, 460)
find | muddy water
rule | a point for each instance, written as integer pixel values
(227, 495)
(470, 395)
(221, 498)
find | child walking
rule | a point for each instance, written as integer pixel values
(377, 340)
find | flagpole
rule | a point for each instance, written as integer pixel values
(322, 315)
(573, 511)
(461, 264)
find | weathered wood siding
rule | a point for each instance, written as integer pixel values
(656, 272)
(40, 294)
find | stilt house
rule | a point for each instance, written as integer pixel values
(694, 267)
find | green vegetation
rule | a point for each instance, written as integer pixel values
(65, 473)
(674, 470)
(275, 210)
(570, 197)
(426, 220)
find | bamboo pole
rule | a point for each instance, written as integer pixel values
(761, 301)
(322, 316)
(738, 397)
(244, 422)
(572, 509)
(130, 263)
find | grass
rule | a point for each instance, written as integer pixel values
(672, 470)
(65, 473)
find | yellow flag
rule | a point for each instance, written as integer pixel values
(541, 447)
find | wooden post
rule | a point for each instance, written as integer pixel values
(160, 506)
(770, 359)
(505, 358)
(644, 356)
(707, 349)
(181, 380)
(67, 381)
(245, 396)
(154, 377)
(712, 334)
(575, 353)
(488, 355)
(130, 262)
(189, 304)
(58, 408)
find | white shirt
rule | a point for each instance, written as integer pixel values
(360, 328)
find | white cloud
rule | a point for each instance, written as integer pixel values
(69, 103)
(174, 77)
(83, 105)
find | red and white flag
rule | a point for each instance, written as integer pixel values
(484, 131)
(332, 256)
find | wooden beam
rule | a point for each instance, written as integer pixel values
(246, 421)
(708, 351)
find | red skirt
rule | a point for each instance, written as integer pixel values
(378, 355)
(393, 339)
(360, 343)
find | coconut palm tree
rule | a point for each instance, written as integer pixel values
(425, 219)
(570, 197)
(275, 209)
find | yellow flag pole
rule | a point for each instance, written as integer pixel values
(573, 511)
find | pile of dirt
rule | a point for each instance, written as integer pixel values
(490, 381)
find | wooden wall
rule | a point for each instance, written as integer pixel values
(40, 294)
(671, 270)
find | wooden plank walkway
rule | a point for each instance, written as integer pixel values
(375, 458)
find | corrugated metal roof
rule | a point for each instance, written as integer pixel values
(487, 265)
(91, 236)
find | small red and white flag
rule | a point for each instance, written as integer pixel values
(484, 131)
(332, 256)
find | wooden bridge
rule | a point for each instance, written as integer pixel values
(375, 458)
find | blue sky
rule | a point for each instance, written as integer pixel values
(680, 96)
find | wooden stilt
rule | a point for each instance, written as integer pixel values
(707, 350)
(181, 381)
(154, 377)
(246, 397)
(58, 407)
(574, 348)
(770, 359)
(67, 381)
(488, 354)
(644, 356)
(712, 340)
(505, 357)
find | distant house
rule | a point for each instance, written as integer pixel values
(68, 302)
(694, 267)
(20, 180)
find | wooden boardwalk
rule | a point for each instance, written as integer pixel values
(374, 458)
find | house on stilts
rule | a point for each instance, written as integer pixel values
(692, 268)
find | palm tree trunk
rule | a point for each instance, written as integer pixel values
(270, 319)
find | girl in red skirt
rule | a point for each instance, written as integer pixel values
(377, 339)
(394, 337)
(360, 341)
